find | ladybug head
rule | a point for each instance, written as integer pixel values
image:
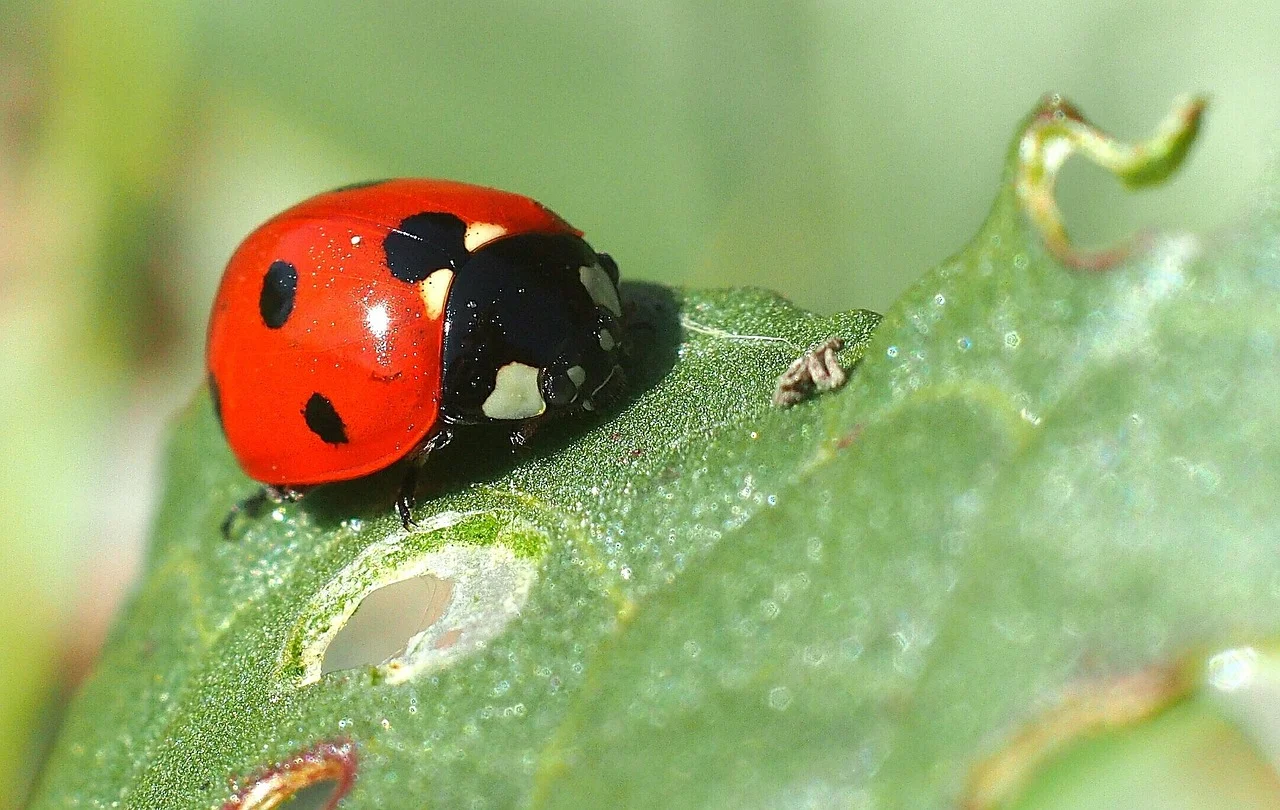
(533, 328)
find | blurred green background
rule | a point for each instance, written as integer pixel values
(831, 149)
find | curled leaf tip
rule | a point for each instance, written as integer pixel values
(1058, 129)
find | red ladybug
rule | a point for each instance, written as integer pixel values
(354, 330)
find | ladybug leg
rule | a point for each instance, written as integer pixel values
(521, 435)
(279, 495)
(407, 497)
(252, 505)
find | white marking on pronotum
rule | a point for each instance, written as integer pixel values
(435, 291)
(578, 375)
(600, 288)
(480, 234)
(606, 340)
(703, 329)
(515, 394)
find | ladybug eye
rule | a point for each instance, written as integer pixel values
(609, 265)
(557, 388)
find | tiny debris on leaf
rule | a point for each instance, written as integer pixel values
(816, 371)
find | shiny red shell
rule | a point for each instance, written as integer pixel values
(353, 334)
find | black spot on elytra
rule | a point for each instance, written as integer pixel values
(423, 243)
(361, 184)
(324, 420)
(216, 399)
(279, 289)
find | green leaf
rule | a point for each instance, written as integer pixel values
(212, 673)
(1038, 474)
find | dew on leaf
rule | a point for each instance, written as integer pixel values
(1233, 669)
(780, 698)
(769, 609)
(813, 549)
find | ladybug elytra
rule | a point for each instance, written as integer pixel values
(356, 329)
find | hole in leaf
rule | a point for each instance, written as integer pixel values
(413, 615)
(312, 797)
(315, 779)
(386, 620)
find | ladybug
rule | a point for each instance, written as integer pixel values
(357, 329)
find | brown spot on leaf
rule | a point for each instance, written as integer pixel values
(332, 761)
(849, 439)
(1088, 708)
